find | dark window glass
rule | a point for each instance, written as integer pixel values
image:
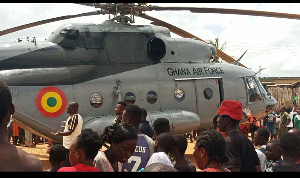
(129, 97)
(151, 97)
(208, 93)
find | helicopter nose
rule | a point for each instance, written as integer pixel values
(270, 104)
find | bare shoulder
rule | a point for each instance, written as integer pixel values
(30, 163)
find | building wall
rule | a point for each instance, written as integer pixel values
(284, 94)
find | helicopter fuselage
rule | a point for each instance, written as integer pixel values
(98, 65)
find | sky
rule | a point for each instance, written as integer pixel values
(272, 44)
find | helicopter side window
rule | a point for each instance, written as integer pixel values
(129, 97)
(261, 88)
(208, 93)
(151, 97)
(254, 94)
(179, 95)
(96, 100)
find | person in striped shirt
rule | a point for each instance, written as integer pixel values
(72, 129)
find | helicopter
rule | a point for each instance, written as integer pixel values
(98, 65)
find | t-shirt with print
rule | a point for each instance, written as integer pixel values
(143, 151)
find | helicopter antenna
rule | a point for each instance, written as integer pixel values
(259, 71)
(237, 61)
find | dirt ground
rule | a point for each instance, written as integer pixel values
(41, 152)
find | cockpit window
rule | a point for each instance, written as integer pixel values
(260, 86)
(71, 33)
(254, 93)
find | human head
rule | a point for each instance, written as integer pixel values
(72, 108)
(121, 105)
(57, 153)
(85, 147)
(132, 115)
(164, 142)
(230, 113)
(6, 106)
(144, 114)
(180, 144)
(210, 146)
(122, 137)
(215, 122)
(290, 145)
(160, 167)
(272, 150)
(298, 111)
(161, 125)
(261, 136)
(231, 108)
(294, 130)
(281, 109)
(288, 109)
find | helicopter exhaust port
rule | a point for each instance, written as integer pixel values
(156, 48)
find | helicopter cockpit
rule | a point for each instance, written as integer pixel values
(257, 93)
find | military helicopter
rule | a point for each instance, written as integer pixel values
(98, 65)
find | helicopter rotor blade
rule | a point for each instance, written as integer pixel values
(230, 11)
(185, 34)
(33, 24)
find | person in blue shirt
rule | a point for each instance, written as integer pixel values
(144, 126)
(270, 120)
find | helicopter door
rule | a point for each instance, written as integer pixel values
(209, 98)
(185, 96)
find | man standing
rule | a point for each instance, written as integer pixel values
(72, 129)
(144, 146)
(239, 149)
(297, 120)
(144, 126)
(284, 120)
(121, 105)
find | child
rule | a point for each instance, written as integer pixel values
(289, 146)
(180, 162)
(209, 151)
(159, 167)
(160, 125)
(83, 150)
(57, 154)
(163, 145)
(261, 137)
(273, 154)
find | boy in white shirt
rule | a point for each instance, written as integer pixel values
(164, 143)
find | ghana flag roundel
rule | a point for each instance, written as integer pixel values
(51, 101)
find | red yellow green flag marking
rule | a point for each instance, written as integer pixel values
(51, 101)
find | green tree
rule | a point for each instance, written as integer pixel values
(217, 45)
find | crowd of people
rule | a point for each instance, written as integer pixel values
(132, 145)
